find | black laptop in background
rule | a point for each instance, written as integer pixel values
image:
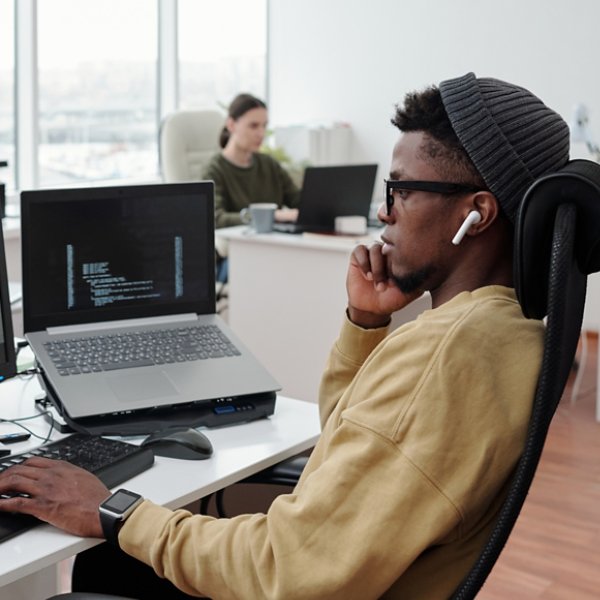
(330, 192)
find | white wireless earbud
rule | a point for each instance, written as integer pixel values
(472, 218)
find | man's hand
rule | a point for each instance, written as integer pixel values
(59, 493)
(372, 293)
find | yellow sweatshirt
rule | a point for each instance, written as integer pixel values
(421, 429)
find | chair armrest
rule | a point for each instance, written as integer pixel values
(286, 472)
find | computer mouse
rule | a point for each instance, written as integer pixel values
(179, 442)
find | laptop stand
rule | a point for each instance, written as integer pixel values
(204, 413)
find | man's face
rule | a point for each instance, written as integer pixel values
(418, 233)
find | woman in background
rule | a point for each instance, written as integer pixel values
(241, 173)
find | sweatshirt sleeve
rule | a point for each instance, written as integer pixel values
(325, 540)
(352, 348)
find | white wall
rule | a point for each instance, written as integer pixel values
(353, 60)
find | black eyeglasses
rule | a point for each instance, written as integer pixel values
(435, 187)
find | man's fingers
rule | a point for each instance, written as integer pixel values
(378, 264)
(360, 258)
(30, 476)
(41, 462)
(16, 482)
(14, 478)
(371, 262)
(18, 504)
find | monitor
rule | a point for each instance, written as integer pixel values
(8, 359)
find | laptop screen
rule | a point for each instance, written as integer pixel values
(111, 253)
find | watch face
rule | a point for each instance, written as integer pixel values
(120, 501)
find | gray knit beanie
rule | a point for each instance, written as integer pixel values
(511, 136)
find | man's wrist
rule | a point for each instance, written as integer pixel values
(115, 510)
(367, 320)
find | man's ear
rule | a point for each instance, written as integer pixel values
(486, 204)
(477, 213)
(472, 218)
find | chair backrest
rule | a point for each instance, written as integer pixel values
(557, 245)
(187, 141)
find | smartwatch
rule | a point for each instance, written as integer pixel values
(114, 510)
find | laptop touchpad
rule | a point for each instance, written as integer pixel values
(138, 386)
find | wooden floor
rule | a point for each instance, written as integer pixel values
(554, 551)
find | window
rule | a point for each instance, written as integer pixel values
(97, 90)
(7, 77)
(94, 93)
(222, 50)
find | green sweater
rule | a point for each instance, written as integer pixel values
(420, 430)
(237, 187)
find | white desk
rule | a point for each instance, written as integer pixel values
(287, 297)
(28, 565)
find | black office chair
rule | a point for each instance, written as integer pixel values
(557, 245)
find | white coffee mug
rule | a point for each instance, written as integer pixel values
(260, 216)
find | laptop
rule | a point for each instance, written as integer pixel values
(113, 265)
(330, 192)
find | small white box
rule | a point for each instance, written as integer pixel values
(352, 225)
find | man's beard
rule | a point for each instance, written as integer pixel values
(413, 281)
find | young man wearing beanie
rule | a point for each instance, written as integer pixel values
(421, 427)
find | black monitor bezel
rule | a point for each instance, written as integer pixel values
(8, 362)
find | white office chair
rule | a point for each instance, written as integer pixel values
(187, 141)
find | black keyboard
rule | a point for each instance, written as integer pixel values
(113, 461)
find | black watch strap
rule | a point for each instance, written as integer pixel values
(111, 524)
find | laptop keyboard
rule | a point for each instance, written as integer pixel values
(113, 461)
(97, 353)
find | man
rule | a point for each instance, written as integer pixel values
(422, 426)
